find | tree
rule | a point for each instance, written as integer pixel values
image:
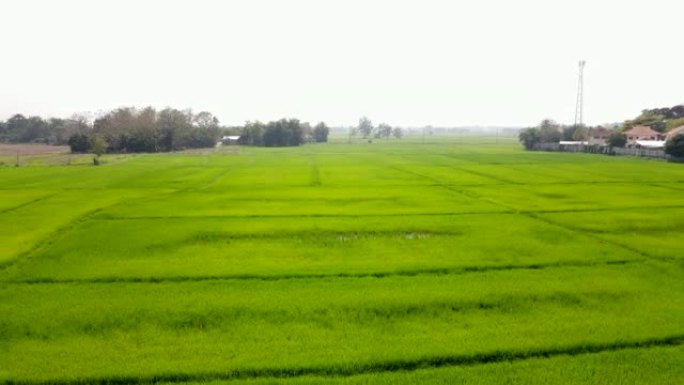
(397, 132)
(283, 132)
(173, 127)
(279, 133)
(548, 124)
(79, 143)
(647, 118)
(529, 137)
(675, 146)
(674, 123)
(252, 134)
(36, 130)
(580, 134)
(549, 131)
(98, 146)
(115, 127)
(320, 133)
(569, 132)
(549, 135)
(205, 120)
(365, 127)
(128, 129)
(307, 131)
(659, 119)
(353, 132)
(57, 133)
(384, 130)
(143, 134)
(678, 111)
(15, 127)
(616, 139)
(205, 130)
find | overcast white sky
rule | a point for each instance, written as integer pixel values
(444, 63)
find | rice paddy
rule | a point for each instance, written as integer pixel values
(399, 262)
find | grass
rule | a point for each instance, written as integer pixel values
(395, 262)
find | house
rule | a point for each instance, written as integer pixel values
(572, 143)
(230, 139)
(599, 135)
(650, 144)
(642, 133)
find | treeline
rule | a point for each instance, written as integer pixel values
(130, 129)
(282, 133)
(148, 130)
(124, 129)
(34, 129)
(369, 131)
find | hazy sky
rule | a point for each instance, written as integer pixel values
(404, 62)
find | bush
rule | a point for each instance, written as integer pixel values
(98, 145)
(79, 143)
(617, 139)
(529, 137)
(675, 146)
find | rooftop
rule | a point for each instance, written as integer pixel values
(642, 132)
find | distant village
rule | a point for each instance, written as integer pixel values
(657, 133)
(635, 137)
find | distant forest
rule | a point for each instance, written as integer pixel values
(129, 129)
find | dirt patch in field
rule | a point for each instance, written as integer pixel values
(32, 149)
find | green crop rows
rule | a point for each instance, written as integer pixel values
(363, 263)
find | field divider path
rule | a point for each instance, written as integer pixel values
(385, 274)
(592, 235)
(533, 215)
(67, 227)
(267, 216)
(218, 177)
(346, 370)
(508, 211)
(50, 238)
(215, 179)
(660, 185)
(25, 204)
(469, 194)
(315, 176)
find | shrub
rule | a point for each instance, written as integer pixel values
(675, 146)
(617, 139)
(79, 143)
(529, 137)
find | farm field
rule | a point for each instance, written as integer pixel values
(399, 262)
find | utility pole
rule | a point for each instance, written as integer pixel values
(579, 105)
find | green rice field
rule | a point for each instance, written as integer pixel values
(386, 263)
